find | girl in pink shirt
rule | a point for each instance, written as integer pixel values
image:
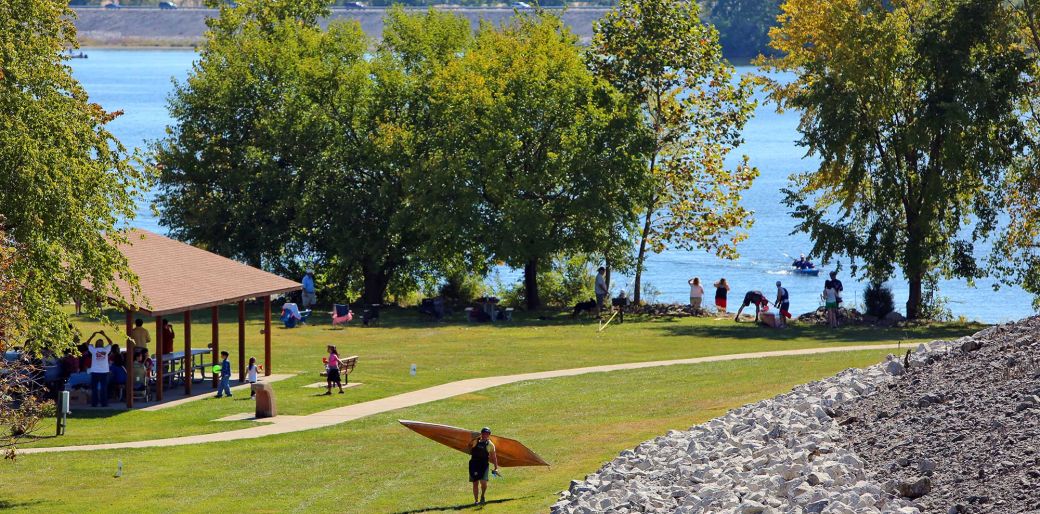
(332, 371)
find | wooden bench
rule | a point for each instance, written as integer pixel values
(346, 367)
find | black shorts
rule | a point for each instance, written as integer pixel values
(333, 374)
(478, 472)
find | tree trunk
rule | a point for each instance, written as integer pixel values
(914, 264)
(606, 264)
(913, 301)
(531, 285)
(641, 257)
(376, 281)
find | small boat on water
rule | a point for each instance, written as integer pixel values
(809, 272)
(79, 55)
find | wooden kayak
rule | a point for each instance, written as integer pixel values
(511, 453)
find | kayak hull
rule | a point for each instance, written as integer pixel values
(807, 272)
(511, 453)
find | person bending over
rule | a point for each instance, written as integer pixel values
(752, 297)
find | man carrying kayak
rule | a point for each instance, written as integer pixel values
(481, 453)
(752, 297)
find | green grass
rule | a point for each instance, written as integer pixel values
(375, 465)
(446, 352)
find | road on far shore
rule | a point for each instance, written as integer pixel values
(150, 26)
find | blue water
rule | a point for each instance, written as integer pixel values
(138, 82)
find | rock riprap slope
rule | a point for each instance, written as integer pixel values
(962, 431)
(937, 437)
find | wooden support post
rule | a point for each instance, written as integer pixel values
(128, 388)
(241, 340)
(189, 361)
(158, 358)
(214, 314)
(267, 336)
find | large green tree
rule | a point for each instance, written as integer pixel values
(360, 200)
(910, 106)
(666, 60)
(67, 186)
(230, 166)
(538, 156)
(743, 25)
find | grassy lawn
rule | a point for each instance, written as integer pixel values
(376, 465)
(445, 352)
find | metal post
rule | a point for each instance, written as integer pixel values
(159, 340)
(267, 336)
(241, 340)
(214, 314)
(189, 362)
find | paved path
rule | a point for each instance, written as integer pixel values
(287, 424)
(209, 393)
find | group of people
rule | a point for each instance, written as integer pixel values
(832, 291)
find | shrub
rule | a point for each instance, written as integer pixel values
(878, 300)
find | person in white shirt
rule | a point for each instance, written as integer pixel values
(696, 294)
(99, 371)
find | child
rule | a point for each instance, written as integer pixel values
(332, 371)
(251, 376)
(225, 376)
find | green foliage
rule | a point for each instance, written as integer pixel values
(538, 156)
(744, 25)
(569, 280)
(878, 300)
(67, 186)
(668, 62)
(463, 288)
(1015, 258)
(910, 106)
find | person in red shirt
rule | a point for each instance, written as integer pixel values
(167, 337)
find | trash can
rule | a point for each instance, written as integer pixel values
(265, 405)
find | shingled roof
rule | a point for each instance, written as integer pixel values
(176, 277)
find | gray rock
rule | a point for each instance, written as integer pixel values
(817, 506)
(971, 345)
(895, 367)
(915, 489)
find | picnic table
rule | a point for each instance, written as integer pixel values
(175, 365)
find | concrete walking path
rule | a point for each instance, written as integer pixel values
(287, 424)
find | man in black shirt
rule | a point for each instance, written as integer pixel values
(752, 297)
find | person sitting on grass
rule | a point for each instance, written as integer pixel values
(752, 297)
(291, 310)
(482, 452)
(332, 371)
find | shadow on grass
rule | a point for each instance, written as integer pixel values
(6, 504)
(850, 334)
(463, 506)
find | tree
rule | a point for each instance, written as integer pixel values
(231, 163)
(910, 106)
(744, 25)
(376, 138)
(1016, 253)
(538, 156)
(659, 54)
(67, 187)
(292, 144)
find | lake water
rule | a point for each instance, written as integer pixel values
(138, 82)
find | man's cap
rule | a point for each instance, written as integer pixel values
(485, 430)
(310, 270)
